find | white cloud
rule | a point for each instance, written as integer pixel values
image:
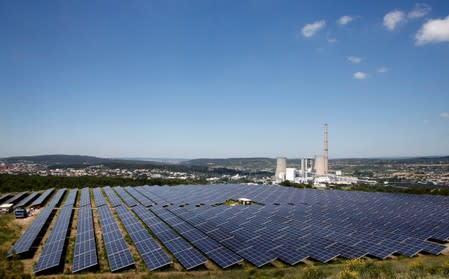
(310, 29)
(433, 31)
(332, 40)
(393, 18)
(383, 70)
(345, 20)
(354, 59)
(420, 10)
(360, 75)
(444, 115)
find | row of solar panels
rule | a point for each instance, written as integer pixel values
(292, 242)
(226, 235)
(23, 199)
(119, 256)
(427, 217)
(24, 244)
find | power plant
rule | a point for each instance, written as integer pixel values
(281, 168)
(314, 170)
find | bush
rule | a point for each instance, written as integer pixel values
(346, 273)
(416, 269)
(311, 272)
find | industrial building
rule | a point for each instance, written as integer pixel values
(314, 170)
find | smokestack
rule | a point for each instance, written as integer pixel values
(326, 149)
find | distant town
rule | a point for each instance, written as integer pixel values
(410, 172)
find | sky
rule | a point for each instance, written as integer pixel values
(194, 79)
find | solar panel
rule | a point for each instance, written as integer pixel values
(28, 199)
(41, 200)
(138, 196)
(189, 257)
(224, 257)
(130, 201)
(16, 198)
(146, 246)
(25, 243)
(119, 256)
(288, 224)
(71, 198)
(4, 197)
(85, 252)
(200, 240)
(98, 197)
(85, 197)
(51, 255)
(113, 198)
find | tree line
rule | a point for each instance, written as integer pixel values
(18, 183)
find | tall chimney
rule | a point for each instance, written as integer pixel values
(326, 149)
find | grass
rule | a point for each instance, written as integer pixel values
(9, 232)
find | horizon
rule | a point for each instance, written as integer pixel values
(226, 158)
(212, 79)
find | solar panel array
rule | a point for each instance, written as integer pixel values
(85, 253)
(291, 225)
(294, 224)
(17, 197)
(188, 256)
(130, 201)
(24, 244)
(119, 256)
(211, 248)
(52, 252)
(151, 253)
(149, 250)
(113, 199)
(98, 197)
(42, 197)
(28, 199)
(141, 198)
(4, 197)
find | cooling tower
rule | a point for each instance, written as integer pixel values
(320, 166)
(281, 167)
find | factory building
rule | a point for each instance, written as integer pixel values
(314, 170)
(290, 174)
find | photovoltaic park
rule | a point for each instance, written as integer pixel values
(224, 226)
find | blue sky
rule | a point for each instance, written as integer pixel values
(224, 78)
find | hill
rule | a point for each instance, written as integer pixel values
(256, 163)
(73, 160)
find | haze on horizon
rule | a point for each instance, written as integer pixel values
(221, 79)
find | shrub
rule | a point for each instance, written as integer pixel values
(355, 264)
(416, 269)
(445, 268)
(346, 273)
(311, 272)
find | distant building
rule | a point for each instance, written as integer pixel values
(290, 174)
(320, 168)
(6, 208)
(281, 167)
